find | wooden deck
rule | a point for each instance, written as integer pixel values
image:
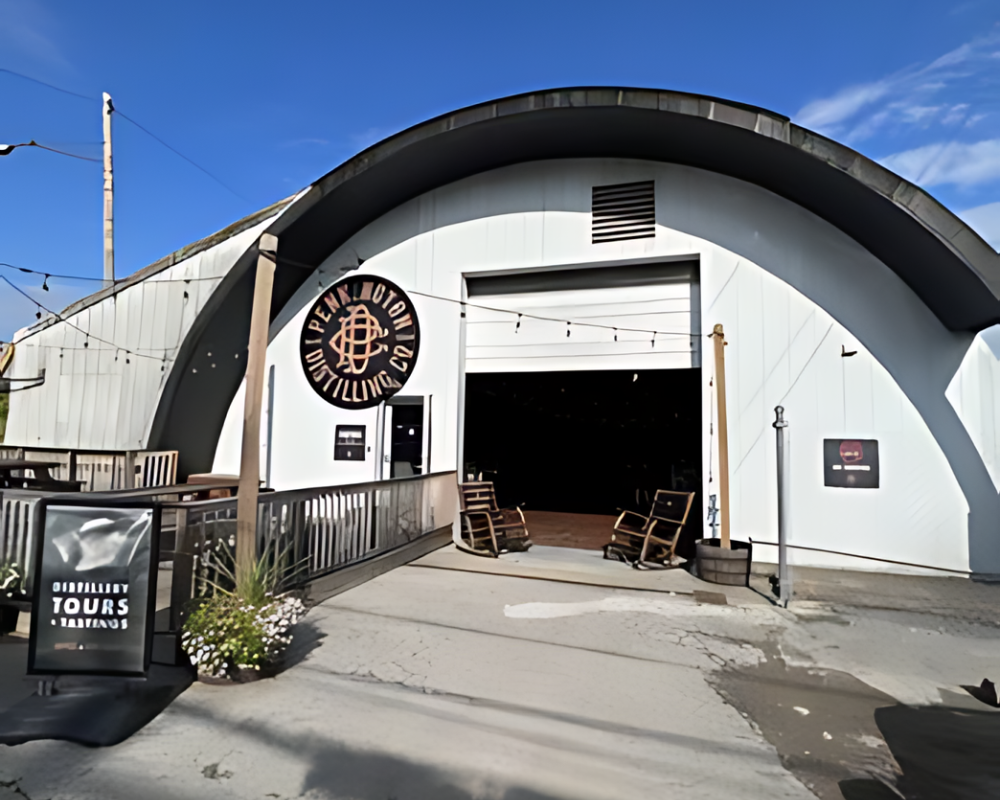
(557, 529)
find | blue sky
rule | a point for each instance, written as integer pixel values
(270, 96)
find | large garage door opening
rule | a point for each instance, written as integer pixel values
(583, 394)
(577, 448)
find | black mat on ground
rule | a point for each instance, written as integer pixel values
(97, 712)
(13, 663)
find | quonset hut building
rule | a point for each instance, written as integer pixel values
(565, 254)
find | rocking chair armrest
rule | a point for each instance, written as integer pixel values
(516, 508)
(665, 538)
(633, 514)
(489, 519)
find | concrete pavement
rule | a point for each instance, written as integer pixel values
(460, 681)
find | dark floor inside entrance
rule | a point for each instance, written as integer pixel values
(574, 449)
(561, 529)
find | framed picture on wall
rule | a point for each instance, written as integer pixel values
(350, 443)
(850, 463)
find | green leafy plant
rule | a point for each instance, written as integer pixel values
(244, 624)
(226, 634)
(11, 579)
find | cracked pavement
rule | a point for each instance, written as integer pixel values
(435, 683)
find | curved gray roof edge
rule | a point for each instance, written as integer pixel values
(954, 272)
(964, 243)
(920, 204)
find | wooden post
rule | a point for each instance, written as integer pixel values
(182, 577)
(109, 194)
(720, 388)
(246, 501)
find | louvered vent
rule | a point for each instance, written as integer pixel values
(623, 211)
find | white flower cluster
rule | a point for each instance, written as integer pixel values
(10, 578)
(216, 652)
(275, 621)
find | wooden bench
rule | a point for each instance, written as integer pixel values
(487, 529)
(645, 541)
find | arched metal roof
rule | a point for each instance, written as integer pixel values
(945, 262)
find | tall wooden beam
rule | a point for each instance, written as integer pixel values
(260, 318)
(720, 388)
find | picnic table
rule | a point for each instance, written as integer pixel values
(42, 481)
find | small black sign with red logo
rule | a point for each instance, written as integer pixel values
(360, 342)
(850, 463)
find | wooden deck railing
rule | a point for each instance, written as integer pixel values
(322, 529)
(17, 525)
(102, 471)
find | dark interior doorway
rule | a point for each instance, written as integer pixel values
(406, 432)
(587, 442)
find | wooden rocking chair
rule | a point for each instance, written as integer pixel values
(487, 529)
(641, 541)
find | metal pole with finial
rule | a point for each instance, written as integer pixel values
(784, 581)
(720, 388)
(109, 194)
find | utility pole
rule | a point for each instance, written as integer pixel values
(109, 194)
(720, 387)
(249, 486)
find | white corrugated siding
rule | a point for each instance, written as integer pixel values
(97, 396)
(974, 393)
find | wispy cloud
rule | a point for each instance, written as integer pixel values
(304, 142)
(956, 163)
(984, 220)
(23, 32)
(369, 137)
(957, 89)
(832, 112)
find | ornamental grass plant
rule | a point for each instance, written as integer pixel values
(244, 625)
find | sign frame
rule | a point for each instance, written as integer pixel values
(360, 342)
(857, 467)
(41, 512)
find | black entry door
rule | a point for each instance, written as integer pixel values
(406, 440)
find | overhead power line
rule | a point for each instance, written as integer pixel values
(43, 83)
(50, 274)
(177, 152)
(7, 148)
(124, 116)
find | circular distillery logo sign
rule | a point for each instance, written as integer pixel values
(360, 342)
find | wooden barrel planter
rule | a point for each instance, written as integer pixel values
(728, 567)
